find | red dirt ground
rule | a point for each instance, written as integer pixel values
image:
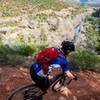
(87, 87)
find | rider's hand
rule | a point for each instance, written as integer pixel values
(69, 74)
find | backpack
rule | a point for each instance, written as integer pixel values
(45, 56)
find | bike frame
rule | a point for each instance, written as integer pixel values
(56, 77)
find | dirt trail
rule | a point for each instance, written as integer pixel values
(86, 88)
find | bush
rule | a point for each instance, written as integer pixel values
(43, 36)
(97, 13)
(97, 68)
(92, 32)
(18, 55)
(4, 50)
(98, 49)
(55, 27)
(15, 59)
(26, 50)
(83, 59)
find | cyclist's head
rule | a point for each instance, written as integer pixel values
(67, 47)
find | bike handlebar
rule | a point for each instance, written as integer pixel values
(62, 80)
(71, 80)
(75, 78)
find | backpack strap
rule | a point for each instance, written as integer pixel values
(60, 52)
(46, 58)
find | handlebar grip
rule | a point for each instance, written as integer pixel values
(75, 77)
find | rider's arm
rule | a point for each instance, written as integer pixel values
(63, 63)
(65, 69)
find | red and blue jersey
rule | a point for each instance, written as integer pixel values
(58, 61)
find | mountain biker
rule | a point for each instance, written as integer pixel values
(39, 72)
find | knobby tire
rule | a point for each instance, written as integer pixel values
(19, 89)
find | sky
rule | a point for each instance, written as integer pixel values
(83, 0)
(91, 0)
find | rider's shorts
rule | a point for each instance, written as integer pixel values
(41, 82)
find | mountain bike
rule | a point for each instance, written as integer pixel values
(29, 91)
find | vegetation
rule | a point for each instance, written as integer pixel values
(55, 27)
(18, 52)
(19, 7)
(92, 31)
(94, 5)
(19, 55)
(83, 59)
(97, 13)
(41, 17)
(24, 45)
(8, 23)
(87, 58)
(77, 10)
(43, 35)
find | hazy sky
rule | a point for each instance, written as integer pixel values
(83, 0)
(91, 0)
(96, 0)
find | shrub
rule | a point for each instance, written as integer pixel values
(26, 50)
(18, 55)
(41, 17)
(83, 59)
(4, 50)
(98, 49)
(97, 13)
(15, 59)
(43, 35)
(55, 27)
(97, 68)
(92, 32)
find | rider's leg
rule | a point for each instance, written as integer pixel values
(41, 82)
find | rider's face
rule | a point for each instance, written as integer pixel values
(67, 52)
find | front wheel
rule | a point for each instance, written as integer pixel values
(26, 92)
(58, 85)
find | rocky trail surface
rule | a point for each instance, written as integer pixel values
(87, 87)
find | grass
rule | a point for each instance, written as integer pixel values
(94, 5)
(77, 11)
(8, 23)
(9, 8)
(43, 36)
